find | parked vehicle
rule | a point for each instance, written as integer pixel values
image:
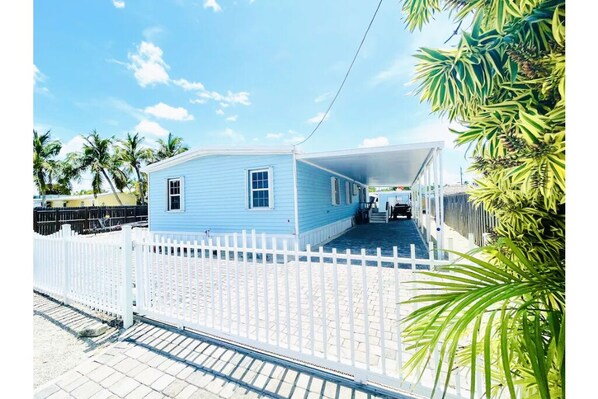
(401, 210)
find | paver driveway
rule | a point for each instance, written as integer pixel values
(155, 362)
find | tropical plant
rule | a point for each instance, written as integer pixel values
(505, 318)
(98, 158)
(169, 148)
(45, 164)
(504, 83)
(133, 154)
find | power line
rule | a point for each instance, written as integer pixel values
(346, 76)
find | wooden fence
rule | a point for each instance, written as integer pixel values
(85, 220)
(465, 218)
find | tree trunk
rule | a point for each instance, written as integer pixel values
(140, 181)
(112, 187)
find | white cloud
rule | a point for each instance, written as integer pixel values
(274, 136)
(186, 85)
(323, 97)
(37, 75)
(220, 112)
(198, 101)
(148, 66)
(118, 3)
(213, 5)
(165, 111)
(379, 141)
(318, 117)
(73, 145)
(149, 127)
(232, 118)
(229, 98)
(232, 135)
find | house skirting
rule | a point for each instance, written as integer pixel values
(317, 236)
(321, 235)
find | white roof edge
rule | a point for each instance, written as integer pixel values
(206, 151)
(373, 150)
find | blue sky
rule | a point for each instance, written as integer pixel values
(243, 73)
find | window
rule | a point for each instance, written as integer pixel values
(355, 188)
(260, 188)
(335, 191)
(348, 193)
(175, 194)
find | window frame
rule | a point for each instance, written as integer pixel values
(348, 193)
(250, 190)
(335, 188)
(181, 194)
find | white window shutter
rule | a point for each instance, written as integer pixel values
(333, 190)
(347, 193)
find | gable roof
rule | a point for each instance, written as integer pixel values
(203, 152)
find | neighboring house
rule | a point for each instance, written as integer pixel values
(73, 201)
(281, 192)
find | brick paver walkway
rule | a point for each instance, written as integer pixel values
(155, 362)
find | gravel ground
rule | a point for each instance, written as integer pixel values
(56, 346)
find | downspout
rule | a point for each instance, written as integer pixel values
(295, 197)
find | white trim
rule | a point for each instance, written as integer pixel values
(295, 194)
(348, 192)
(270, 189)
(181, 194)
(202, 152)
(424, 165)
(335, 188)
(332, 171)
(373, 150)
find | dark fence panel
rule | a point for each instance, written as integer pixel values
(465, 218)
(85, 220)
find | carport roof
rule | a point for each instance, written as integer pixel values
(397, 165)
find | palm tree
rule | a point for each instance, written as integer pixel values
(169, 148)
(132, 154)
(97, 157)
(45, 165)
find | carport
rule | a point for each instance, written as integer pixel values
(418, 166)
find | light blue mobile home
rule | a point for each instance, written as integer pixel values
(218, 191)
(304, 198)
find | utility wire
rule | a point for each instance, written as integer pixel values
(345, 78)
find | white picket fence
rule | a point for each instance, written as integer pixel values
(75, 268)
(338, 311)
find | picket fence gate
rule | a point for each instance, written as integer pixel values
(338, 312)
